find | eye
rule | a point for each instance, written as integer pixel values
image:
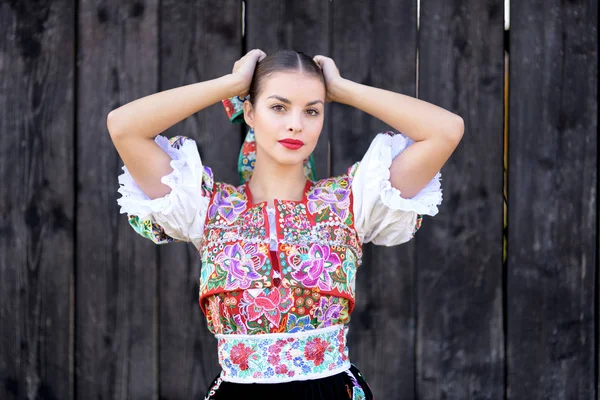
(275, 106)
(313, 112)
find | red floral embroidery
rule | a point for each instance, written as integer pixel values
(240, 354)
(281, 369)
(315, 350)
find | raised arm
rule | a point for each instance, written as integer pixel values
(134, 126)
(435, 130)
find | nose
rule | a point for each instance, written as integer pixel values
(294, 123)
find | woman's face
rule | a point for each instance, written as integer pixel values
(290, 106)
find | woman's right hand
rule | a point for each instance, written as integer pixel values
(243, 69)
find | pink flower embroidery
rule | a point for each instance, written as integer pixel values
(239, 355)
(314, 270)
(241, 265)
(315, 350)
(268, 303)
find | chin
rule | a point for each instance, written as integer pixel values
(291, 160)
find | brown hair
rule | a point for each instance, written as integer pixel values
(283, 60)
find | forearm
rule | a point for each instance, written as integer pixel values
(415, 118)
(153, 114)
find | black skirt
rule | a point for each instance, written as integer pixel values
(350, 384)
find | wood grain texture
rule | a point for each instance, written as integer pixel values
(200, 40)
(460, 341)
(36, 200)
(116, 311)
(293, 25)
(552, 200)
(374, 43)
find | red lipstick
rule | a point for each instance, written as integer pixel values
(291, 144)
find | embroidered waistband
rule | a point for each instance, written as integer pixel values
(283, 357)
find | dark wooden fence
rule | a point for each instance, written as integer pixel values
(491, 300)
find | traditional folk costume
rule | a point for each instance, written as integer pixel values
(277, 285)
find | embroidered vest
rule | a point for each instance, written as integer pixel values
(307, 283)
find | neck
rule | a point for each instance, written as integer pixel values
(271, 180)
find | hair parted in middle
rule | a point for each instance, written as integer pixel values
(283, 60)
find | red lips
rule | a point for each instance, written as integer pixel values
(292, 142)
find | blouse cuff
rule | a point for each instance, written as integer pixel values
(387, 147)
(183, 180)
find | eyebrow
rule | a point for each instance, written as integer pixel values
(283, 99)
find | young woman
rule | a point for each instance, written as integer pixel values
(280, 251)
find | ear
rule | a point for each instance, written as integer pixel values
(248, 113)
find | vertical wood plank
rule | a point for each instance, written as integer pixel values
(36, 200)
(374, 43)
(116, 343)
(200, 40)
(460, 338)
(552, 199)
(293, 25)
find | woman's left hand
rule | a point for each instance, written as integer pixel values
(333, 80)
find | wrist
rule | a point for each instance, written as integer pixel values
(343, 91)
(233, 84)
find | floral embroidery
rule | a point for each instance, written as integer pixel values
(317, 256)
(334, 196)
(228, 203)
(328, 312)
(240, 354)
(315, 350)
(206, 270)
(298, 324)
(241, 264)
(239, 324)
(281, 357)
(150, 230)
(349, 268)
(357, 392)
(268, 303)
(310, 269)
(215, 314)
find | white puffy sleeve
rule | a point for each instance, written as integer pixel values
(381, 215)
(179, 215)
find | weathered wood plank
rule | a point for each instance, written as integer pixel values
(552, 199)
(374, 43)
(116, 327)
(293, 25)
(460, 337)
(36, 199)
(199, 41)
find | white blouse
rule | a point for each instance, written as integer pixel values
(381, 215)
